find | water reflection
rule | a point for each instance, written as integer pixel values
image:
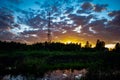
(52, 75)
(65, 74)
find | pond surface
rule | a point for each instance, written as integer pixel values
(52, 75)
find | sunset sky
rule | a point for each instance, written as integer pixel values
(26, 21)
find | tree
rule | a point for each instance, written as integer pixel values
(87, 45)
(117, 47)
(100, 45)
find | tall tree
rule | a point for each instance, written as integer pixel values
(117, 47)
(100, 45)
(87, 45)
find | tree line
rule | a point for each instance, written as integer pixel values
(56, 46)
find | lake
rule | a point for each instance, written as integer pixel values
(67, 74)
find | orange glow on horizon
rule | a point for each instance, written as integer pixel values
(110, 46)
(66, 39)
(69, 40)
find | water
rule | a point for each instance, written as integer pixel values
(52, 75)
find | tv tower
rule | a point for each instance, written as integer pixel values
(49, 29)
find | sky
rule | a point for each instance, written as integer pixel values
(74, 21)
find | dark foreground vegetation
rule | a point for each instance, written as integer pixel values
(36, 59)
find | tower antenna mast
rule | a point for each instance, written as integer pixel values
(49, 28)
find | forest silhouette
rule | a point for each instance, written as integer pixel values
(56, 46)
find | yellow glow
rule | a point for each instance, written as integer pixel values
(69, 40)
(110, 45)
(66, 39)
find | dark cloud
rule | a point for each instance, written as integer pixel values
(113, 26)
(30, 32)
(91, 16)
(79, 20)
(4, 25)
(95, 7)
(80, 11)
(98, 25)
(69, 10)
(33, 36)
(6, 18)
(100, 7)
(112, 32)
(21, 11)
(116, 18)
(36, 2)
(95, 29)
(115, 21)
(6, 35)
(87, 6)
(114, 13)
(98, 22)
(37, 22)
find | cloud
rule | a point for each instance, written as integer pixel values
(32, 36)
(4, 25)
(6, 35)
(113, 26)
(67, 18)
(30, 32)
(100, 7)
(98, 22)
(114, 13)
(98, 26)
(115, 21)
(6, 18)
(93, 31)
(87, 6)
(69, 10)
(99, 30)
(78, 29)
(37, 22)
(116, 18)
(36, 2)
(79, 20)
